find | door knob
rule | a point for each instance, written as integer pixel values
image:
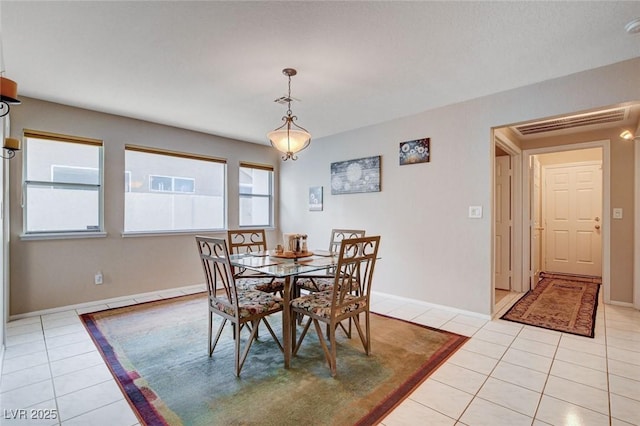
(597, 226)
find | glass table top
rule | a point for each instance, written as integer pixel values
(267, 263)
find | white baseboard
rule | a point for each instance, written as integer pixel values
(162, 294)
(432, 305)
(625, 304)
(201, 287)
(1, 357)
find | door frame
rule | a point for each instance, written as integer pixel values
(606, 207)
(636, 266)
(502, 140)
(507, 240)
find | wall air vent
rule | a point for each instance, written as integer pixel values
(597, 118)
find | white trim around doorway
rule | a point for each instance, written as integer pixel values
(501, 140)
(636, 238)
(606, 206)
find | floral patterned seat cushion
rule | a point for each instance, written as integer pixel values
(266, 284)
(316, 284)
(321, 284)
(319, 303)
(250, 302)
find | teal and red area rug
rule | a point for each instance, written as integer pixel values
(157, 352)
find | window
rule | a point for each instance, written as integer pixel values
(168, 191)
(256, 195)
(171, 184)
(62, 183)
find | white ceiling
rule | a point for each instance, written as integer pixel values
(215, 66)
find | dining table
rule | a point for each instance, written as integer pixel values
(286, 266)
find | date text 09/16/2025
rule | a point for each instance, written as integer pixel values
(30, 414)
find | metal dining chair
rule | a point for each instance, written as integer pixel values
(324, 281)
(243, 308)
(356, 262)
(252, 241)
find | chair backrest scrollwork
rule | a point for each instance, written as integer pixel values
(246, 240)
(214, 256)
(356, 262)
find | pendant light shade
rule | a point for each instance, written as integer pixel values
(289, 138)
(289, 141)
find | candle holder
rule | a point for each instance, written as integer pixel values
(11, 145)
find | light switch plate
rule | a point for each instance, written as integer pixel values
(617, 213)
(475, 212)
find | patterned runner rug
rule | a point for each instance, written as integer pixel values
(559, 302)
(157, 352)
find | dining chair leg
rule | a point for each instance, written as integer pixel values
(210, 331)
(334, 357)
(272, 334)
(364, 334)
(329, 352)
(237, 329)
(218, 334)
(368, 326)
(297, 344)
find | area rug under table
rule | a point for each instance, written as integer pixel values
(564, 303)
(157, 352)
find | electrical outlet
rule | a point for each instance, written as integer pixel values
(97, 279)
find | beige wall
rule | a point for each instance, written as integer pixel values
(53, 273)
(430, 250)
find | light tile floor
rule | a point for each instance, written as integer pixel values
(505, 374)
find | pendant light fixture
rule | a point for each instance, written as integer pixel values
(289, 138)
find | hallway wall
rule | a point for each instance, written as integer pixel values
(430, 249)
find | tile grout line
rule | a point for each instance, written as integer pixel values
(53, 386)
(487, 378)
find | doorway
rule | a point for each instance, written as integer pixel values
(590, 152)
(568, 135)
(526, 249)
(567, 213)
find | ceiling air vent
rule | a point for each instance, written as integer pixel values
(283, 100)
(601, 117)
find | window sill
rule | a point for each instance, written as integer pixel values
(62, 236)
(171, 233)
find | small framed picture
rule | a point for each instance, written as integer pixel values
(315, 199)
(414, 152)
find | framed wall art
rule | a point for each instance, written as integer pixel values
(353, 176)
(414, 152)
(315, 199)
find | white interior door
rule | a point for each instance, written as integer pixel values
(503, 222)
(572, 209)
(536, 215)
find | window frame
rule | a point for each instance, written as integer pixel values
(72, 233)
(184, 155)
(270, 196)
